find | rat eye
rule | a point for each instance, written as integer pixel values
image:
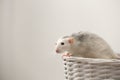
(62, 43)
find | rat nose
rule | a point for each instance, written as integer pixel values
(57, 50)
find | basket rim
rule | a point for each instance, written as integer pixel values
(90, 60)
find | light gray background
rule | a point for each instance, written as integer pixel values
(29, 29)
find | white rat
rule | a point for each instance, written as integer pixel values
(85, 44)
(63, 45)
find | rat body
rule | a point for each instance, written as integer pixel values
(85, 44)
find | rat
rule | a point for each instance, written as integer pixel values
(85, 44)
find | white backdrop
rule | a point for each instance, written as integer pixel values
(29, 29)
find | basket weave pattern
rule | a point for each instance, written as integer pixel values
(91, 69)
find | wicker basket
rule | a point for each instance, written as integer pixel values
(77, 68)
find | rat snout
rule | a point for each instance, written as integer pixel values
(57, 51)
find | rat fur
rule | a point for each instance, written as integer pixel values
(85, 44)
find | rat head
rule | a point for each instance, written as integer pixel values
(63, 44)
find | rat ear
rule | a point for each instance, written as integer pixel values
(71, 40)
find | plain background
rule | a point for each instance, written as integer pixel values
(29, 29)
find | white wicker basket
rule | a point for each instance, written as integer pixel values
(91, 69)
